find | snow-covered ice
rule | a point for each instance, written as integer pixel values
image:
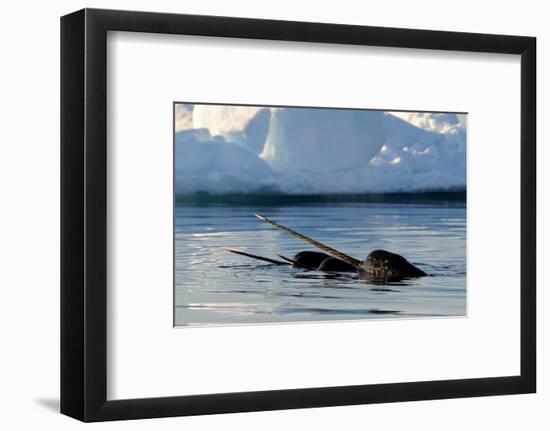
(243, 149)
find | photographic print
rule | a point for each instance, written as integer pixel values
(289, 214)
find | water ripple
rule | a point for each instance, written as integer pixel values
(216, 287)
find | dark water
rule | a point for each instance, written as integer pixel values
(214, 287)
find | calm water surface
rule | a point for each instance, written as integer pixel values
(214, 287)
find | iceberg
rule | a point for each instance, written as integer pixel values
(246, 126)
(242, 149)
(183, 117)
(214, 165)
(321, 141)
(433, 122)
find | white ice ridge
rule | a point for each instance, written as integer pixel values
(236, 149)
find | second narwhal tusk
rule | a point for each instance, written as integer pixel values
(254, 256)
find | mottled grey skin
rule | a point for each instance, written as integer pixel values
(380, 265)
(384, 266)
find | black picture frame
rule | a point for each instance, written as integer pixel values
(84, 214)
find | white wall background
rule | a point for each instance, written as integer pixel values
(29, 223)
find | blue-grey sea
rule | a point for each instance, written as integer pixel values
(214, 287)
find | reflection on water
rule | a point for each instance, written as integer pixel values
(214, 287)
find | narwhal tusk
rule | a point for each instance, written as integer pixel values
(253, 256)
(352, 261)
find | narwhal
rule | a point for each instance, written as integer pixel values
(380, 266)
